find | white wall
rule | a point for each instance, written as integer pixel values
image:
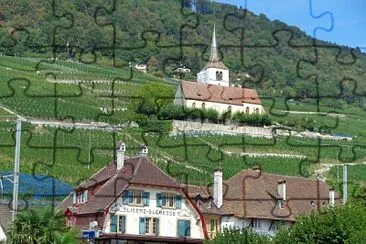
(222, 107)
(235, 222)
(179, 97)
(2, 235)
(167, 224)
(208, 76)
(265, 224)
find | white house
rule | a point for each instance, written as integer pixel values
(213, 90)
(141, 67)
(132, 200)
(262, 201)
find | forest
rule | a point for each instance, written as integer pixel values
(282, 60)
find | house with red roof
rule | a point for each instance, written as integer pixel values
(213, 91)
(132, 200)
(258, 200)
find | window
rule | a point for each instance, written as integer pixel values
(218, 75)
(184, 228)
(213, 225)
(149, 226)
(168, 200)
(82, 196)
(118, 224)
(136, 198)
(193, 105)
(256, 223)
(247, 110)
(229, 109)
(203, 106)
(257, 110)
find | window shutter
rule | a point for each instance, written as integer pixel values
(74, 197)
(187, 228)
(157, 226)
(142, 226)
(146, 198)
(86, 196)
(123, 224)
(158, 199)
(113, 223)
(163, 199)
(125, 198)
(178, 204)
(130, 197)
(181, 228)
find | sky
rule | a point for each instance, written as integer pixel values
(342, 21)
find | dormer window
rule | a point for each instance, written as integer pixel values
(80, 197)
(208, 204)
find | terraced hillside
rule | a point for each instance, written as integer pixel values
(63, 88)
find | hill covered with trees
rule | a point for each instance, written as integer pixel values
(166, 34)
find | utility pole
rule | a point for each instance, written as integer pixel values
(89, 148)
(345, 193)
(16, 167)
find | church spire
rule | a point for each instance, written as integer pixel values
(214, 54)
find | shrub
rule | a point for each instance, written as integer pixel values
(252, 119)
(211, 114)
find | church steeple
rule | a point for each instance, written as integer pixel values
(214, 54)
(215, 72)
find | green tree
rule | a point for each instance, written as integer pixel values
(239, 236)
(151, 98)
(40, 226)
(344, 224)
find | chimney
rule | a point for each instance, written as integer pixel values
(331, 196)
(281, 189)
(121, 149)
(218, 194)
(257, 168)
(144, 150)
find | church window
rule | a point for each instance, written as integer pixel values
(247, 110)
(229, 109)
(257, 110)
(218, 75)
(193, 105)
(203, 106)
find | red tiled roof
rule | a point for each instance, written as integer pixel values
(251, 194)
(136, 170)
(219, 94)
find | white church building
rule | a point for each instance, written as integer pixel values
(213, 90)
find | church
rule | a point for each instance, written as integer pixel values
(213, 91)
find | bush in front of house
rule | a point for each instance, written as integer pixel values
(251, 119)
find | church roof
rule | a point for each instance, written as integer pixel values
(214, 61)
(219, 94)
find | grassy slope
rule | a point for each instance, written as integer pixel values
(69, 161)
